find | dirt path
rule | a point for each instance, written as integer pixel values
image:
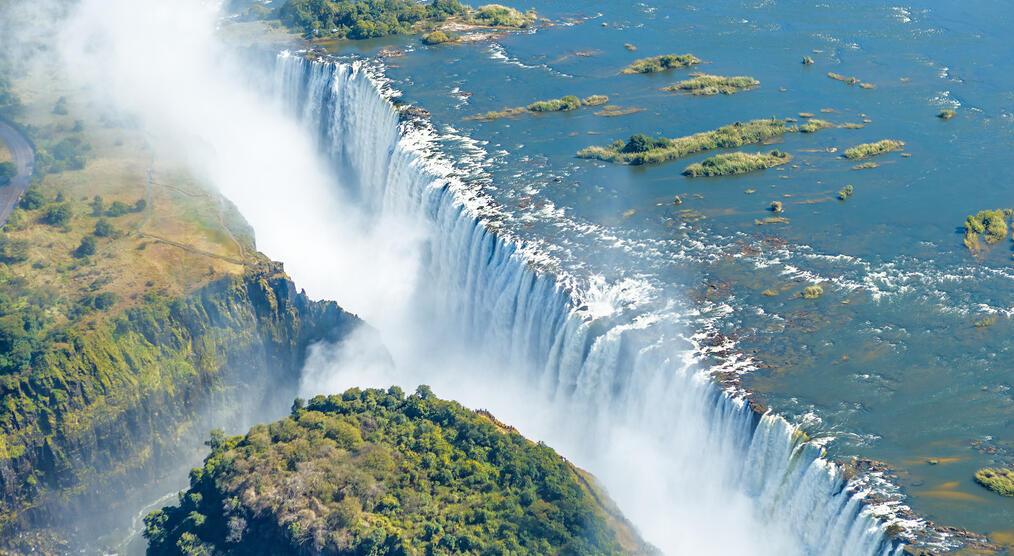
(24, 158)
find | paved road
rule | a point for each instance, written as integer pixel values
(24, 157)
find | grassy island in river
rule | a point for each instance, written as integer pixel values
(378, 472)
(736, 163)
(662, 63)
(640, 149)
(702, 84)
(867, 150)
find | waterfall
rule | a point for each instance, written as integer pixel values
(693, 466)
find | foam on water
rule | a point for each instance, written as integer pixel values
(602, 371)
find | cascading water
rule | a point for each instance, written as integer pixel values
(619, 391)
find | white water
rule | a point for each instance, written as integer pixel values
(620, 394)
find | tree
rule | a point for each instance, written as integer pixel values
(638, 143)
(7, 171)
(58, 215)
(105, 300)
(86, 248)
(117, 208)
(104, 229)
(32, 199)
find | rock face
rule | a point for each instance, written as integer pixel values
(104, 418)
(375, 472)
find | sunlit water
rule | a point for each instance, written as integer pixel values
(888, 362)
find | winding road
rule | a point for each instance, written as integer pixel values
(24, 157)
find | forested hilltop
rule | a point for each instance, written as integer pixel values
(375, 472)
(363, 19)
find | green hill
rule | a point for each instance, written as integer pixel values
(375, 472)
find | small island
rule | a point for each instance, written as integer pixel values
(378, 472)
(867, 150)
(736, 163)
(661, 63)
(563, 104)
(703, 84)
(318, 19)
(641, 149)
(998, 480)
(814, 124)
(992, 224)
(946, 114)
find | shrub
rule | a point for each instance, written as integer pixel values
(117, 208)
(8, 170)
(32, 199)
(86, 248)
(58, 215)
(567, 103)
(946, 114)
(104, 300)
(776, 206)
(501, 16)
(440, 37)
(813, 125)
(845, 192)
(104, 229)
(866, 150)
(1000, 481)
(807, 61)
(13, 251)
(736, 163)
(812, 292)
(702, 84)
(661, 63)
(992, 223)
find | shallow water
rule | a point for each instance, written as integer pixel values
(887, 362)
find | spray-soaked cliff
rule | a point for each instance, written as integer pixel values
(110, 419)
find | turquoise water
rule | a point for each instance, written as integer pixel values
(887, 362)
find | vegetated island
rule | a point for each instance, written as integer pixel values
(867, 150)
(612, 111)
(703, 84)
(946, 114)
(564, 104)
(317, 19)
(376, 472)
(999, 480)
(813, 125)
(991, 224)
(736, 163)
(661, 63)
(641, 149)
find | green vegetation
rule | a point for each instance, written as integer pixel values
(662, 63)
(814, 124)
(736, 163)
(845, 192)
(776, 206)
(375, 472)
(807, 61)
(990, 223)
(771, 220)
(496, 15)
(946, 114)
(60, 108)
(703, 84)
(629, 46)
(866, 150)
(865, 165)
(567, 103)
(999, 480)
(851, 125)
(8, 170)
(613, 111)
(665, 150)
(813, 292)
(364, 19)
(440, 37)
(595, 100)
